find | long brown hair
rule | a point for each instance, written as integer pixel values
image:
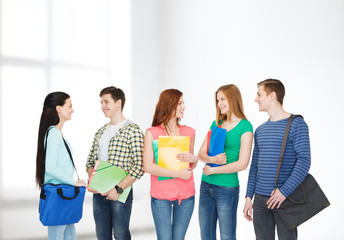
(234, 98)
(166, 107)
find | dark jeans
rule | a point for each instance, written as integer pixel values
(265, 220)
(110, 215)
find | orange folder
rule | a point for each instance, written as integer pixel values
(169, 147)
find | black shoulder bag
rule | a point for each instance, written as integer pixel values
(306, 201)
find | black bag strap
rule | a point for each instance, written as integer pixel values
(45, 154)
(284, 143)
(71, 157)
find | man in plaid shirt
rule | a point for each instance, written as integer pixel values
(120, 143)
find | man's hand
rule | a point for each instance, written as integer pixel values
(111, 195)
(92, 191)
(248, 209)
(276, 199)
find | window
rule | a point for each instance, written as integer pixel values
(75, 46)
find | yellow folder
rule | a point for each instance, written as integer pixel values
(169, 147)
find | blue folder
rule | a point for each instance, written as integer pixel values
(216, 143)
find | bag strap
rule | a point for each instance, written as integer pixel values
(71, 157)
(284, 143)
(45, 154)
(60, 192)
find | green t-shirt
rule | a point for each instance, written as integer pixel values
(232, 149)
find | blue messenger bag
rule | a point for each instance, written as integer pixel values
(61, 204)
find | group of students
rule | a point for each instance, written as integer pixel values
(122, 143)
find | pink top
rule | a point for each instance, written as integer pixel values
(172, 189)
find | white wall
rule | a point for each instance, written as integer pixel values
(199, 45)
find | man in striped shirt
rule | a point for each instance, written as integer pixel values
(267, 147)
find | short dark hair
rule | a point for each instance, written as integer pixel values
(273, 85)
(116, 94)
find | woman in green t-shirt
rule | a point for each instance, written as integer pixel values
(219, 193)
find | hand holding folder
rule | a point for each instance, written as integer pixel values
(169, 147)
(216, 143)
(106, 176)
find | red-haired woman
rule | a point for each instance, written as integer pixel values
(172, 200)
(219, 193)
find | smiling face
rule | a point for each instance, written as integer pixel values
(222, 103)
(109, 106)
(263, 99)
(180, 108)
(65, 112)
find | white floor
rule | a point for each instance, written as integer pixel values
(134, 236)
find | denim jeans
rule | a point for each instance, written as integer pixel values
(112, 215)
(171, 219)
(218, 203)
(62, 232)
(265, 220)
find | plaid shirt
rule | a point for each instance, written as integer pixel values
(125, 149)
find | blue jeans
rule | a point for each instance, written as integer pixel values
(171, 219)
(62, 232)
(265, 220)
(112, 215)
(218, 203)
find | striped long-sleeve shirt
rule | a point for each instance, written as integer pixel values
(267, 147)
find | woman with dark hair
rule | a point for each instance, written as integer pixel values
(58, 167)
(172, 200)
(219, 192)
